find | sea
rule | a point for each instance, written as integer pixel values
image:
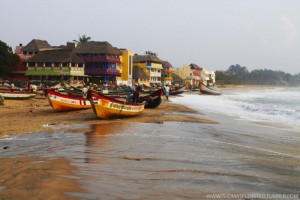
(252, 152)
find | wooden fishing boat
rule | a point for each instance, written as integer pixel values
(18, 95)
(105, 107)
(209, 90)
(62, 102)
(176, 90)
(152, 100)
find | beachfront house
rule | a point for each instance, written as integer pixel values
(193, 74)
(151, 65)
(166, 74)
(101, 60)
(55, 65)
(139, 76)
(26, 52)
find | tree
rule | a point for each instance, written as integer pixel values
(82, 39)
(8, 60)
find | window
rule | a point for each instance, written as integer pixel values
(130, 63)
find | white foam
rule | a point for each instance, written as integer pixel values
(277, 106)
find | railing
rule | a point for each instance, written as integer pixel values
(101, 59)
(102, 71)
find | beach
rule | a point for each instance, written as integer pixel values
(36, 114)
(180, 150)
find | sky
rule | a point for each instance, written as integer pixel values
(214, 34)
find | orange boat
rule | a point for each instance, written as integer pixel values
(105, 107)
(62, 102)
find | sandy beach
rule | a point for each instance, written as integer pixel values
(170, 152)
(39, 181)
(25, 116)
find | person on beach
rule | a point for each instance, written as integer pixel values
(136, 93)
(84, 91)
(12, 86)
(167, 91)
(105, 86)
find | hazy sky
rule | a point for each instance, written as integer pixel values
(214, 34)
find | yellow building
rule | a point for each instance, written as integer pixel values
(151, 65)
(125, 67)
(193, 74)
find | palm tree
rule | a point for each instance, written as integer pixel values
(82, 39)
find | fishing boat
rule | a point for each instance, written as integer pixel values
(213, 90)
(62, 102)
(176, 90)
(105, 107)
(152, 100)
(17, 95)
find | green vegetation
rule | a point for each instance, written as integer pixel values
(82, 39)
(240, 75)
(7, 60)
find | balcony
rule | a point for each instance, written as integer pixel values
(111, 59)
(98, 71)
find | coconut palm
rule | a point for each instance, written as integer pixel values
(82, 39)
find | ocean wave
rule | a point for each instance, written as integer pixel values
(278, 106)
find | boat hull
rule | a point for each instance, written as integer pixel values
(209, 91)
(17, 96)
(105, 107)
(61, 102)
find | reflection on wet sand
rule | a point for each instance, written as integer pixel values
(98, 139)
(37, 178)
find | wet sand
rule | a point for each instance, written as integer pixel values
(18, 117)
(43, 178)
(36, 178)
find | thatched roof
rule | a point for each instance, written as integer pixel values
(36, 45)
(56, 56)
(93, 47)
(146, 58)
(177, 78)
(166, 64)
(138, 73)
(194, 66)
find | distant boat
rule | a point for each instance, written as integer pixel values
(62, 102)
(17, 95)
(176, 90)
(213, 90)
(105, 107)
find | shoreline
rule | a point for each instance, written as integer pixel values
(33, 115)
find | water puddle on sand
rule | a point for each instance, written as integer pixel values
(170, 160)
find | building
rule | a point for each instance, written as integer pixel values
(26, 52)
(139, 76)
(54, 66)
(101, 60)
(167, 72)
(151, 65)
(193, 74)
(125, 67)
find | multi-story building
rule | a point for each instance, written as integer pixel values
(151, 65)
(101, 60)
(54, 66)
(125, 67)
(167, 72)
(26, 52)
(193, 74)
